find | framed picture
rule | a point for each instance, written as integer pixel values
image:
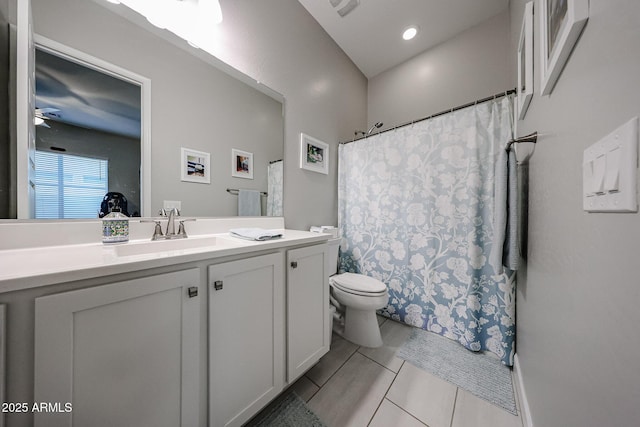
(525, 62)
(561, 22)
(195, 166)
(241, 164)
(314, 154)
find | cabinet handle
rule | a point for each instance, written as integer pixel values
(217, 285)
(192, 291)
(294, 264)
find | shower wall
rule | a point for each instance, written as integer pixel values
(470, 66)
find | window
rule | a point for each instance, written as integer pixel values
(69, 186)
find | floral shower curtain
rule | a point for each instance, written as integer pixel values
(416, 210)
(275, 173)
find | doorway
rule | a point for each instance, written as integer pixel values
(91, 135)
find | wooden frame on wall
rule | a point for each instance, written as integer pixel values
(525, 63)
(561, 22)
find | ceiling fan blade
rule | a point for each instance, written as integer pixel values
(47, 110)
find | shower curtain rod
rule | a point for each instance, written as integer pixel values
(450, 110)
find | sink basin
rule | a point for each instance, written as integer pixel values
(159, 246)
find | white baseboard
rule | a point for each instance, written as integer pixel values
(524, 403)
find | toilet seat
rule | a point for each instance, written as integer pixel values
(358, 284)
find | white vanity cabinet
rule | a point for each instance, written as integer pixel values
(3, 335)
(246, 337)
(175, 339)
(308, 316)
(123, 354)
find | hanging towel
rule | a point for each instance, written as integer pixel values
(259, 234)
(249, 203)
(505, 251)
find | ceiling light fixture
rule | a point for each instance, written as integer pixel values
(174, 15)
(114, 1)
(410, 33)
(211, 9)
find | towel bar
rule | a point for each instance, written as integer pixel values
(532, 137)
(234, 191)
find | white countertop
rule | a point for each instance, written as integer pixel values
(31, 267)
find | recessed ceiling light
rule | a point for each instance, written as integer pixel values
(410, 33)
(114, 1)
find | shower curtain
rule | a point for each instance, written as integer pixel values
(275, 173)
(416, 210)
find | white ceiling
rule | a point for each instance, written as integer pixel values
(371, 34)
(85, 97)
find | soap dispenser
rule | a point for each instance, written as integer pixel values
(115, 227)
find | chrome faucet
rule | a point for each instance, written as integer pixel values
(171, 223)
(170, 233)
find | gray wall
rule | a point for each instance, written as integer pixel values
(278, 43)
(578, 341)
(123, 154)
(194, 105)
(470, 66)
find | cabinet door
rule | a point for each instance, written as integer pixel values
(3, 339)
(246, 337)
(308, 316)
(124, 354)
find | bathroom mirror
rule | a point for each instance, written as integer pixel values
(193, 105)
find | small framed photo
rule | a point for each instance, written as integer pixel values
(241, 164)
(195, 166)
(314, 154)
(561, 22)
(525, 62)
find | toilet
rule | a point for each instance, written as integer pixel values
(356, 298)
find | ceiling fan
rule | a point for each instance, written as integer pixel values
(42, 114)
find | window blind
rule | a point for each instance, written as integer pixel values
(69, 186)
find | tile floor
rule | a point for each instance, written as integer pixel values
(359, 386)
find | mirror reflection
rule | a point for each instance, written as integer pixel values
(193, 105)
(87, 141)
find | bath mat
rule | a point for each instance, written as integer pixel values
(480, 374)
(290, 411)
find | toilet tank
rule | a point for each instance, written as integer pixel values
(334, 247)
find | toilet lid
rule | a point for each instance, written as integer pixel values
(358, 283)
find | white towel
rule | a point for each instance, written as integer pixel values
(505, 251)
(249, 203)
(259, 234)
(328, 229)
